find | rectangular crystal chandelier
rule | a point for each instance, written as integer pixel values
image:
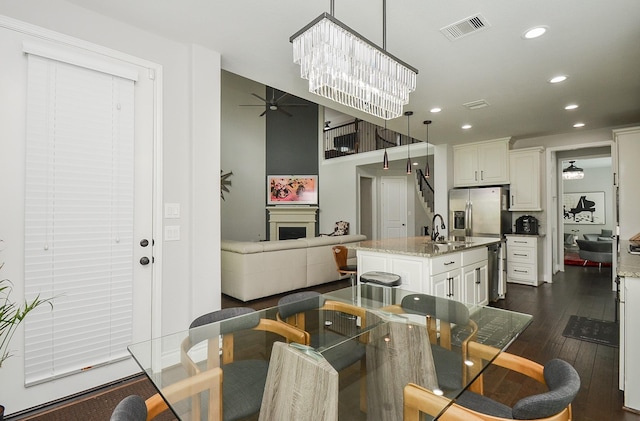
(347, 68)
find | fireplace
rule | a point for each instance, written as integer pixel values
(291, 233)
(287, 222)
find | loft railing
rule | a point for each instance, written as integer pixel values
(360, 136)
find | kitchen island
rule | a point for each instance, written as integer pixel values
(455, 269)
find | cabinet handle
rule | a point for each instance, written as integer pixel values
(475, 175)
(518, 254)
(482, 175)
(450, 263)
(522, 242)
(513, 200)
(521, 271)
(450, 294)
(478, 276)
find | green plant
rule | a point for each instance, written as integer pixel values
(12, 314)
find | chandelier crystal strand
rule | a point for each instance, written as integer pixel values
(348, 69)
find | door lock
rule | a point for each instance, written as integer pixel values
(144, 260)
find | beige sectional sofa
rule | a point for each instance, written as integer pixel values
(253, 270)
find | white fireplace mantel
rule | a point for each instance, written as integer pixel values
(292, 216)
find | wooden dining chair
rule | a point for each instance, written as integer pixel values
(560, 378)
(243, 380)
(341, 257)
(135, 408)
(419, 400)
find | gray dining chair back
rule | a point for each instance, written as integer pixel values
(131, 408)
(563, 384)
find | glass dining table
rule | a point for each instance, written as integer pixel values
(404, 337)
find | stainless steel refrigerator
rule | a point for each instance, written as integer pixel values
(479, 212)
(483, 212)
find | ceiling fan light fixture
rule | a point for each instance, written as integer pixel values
(572, 172)
(347, 68)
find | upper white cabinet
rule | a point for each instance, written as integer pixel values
(481, 163)
(525, 175)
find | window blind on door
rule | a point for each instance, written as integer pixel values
(78, 217)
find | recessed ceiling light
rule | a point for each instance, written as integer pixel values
(466, 127)
(558, 79)
(578, 125)
(571, 107)
(534, 32)
(436, 110)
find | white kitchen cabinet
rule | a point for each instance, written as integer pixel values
(447, 285)
(481, 163)
(525, 176)
(474, 276)
(630, 342)
(524, 259)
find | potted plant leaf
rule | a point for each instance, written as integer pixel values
(11, 315)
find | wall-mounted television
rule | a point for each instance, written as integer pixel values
(292, 190)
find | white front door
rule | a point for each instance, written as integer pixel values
(394, 207)
(13, 122)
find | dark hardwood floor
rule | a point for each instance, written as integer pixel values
(583, 291)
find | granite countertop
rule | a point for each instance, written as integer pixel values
(422, 246)
(628, 264)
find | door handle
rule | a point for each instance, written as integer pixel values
(144, 260)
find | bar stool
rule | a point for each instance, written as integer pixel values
(385, 281)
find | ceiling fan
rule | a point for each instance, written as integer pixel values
(273, 104)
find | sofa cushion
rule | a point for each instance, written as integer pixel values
(242, 247)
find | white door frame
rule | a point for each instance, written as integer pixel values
(553, 213)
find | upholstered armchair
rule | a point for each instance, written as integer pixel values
(595, 251)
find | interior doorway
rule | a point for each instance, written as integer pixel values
(367, 207)
(597, 161)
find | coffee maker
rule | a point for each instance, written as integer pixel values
(527, 224)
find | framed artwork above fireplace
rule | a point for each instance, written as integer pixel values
(292, 190)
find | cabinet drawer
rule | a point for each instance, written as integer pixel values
(521, 242)
(520, 271)
(521, 255)
(474, 256)
(445, 263)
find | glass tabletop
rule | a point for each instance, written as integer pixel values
(376, 340)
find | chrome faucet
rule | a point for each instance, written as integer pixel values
(434, 232)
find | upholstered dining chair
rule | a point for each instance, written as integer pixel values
(441, 315)
(560, 378)
(341, 256)
(131, 408)
(243, 381)
(292, 309)
(135, 408)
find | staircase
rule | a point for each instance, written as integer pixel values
(425, 191)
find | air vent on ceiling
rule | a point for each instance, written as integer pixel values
(474, 105)
(465, 27)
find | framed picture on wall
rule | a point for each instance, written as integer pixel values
(584, 208)
(292, 189)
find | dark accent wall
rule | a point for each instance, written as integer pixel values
(292, 141)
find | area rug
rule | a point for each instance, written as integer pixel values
(602, 332)
(573, 259)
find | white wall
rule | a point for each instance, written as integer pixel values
(190, 133)
(243, 151)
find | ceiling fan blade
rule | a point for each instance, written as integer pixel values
(285, 112)
(293, 105)
(263, 113)
(260, 98)
(250, 105)
(280, 97)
